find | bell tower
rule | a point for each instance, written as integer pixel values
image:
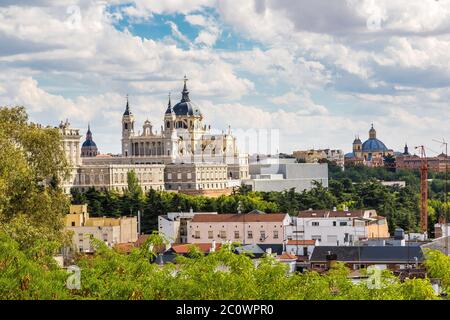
(127, 130)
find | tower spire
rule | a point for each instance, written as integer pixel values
(127, 108)
(89, 133)
(185, 92)
(169, 106)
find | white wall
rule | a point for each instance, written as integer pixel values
(329, 234)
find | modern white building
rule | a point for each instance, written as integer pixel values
(285, 175)
(336, 228)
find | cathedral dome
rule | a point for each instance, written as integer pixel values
(89, 148)
(185, 107)
(89, 143)
(374, 145)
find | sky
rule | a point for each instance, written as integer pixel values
(316, 72)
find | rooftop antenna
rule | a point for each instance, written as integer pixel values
(423, 190)
(445, 144)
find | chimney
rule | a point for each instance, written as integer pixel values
(331, 259)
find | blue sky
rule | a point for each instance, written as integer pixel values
(319, 72)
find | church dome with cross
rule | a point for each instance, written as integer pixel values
(185, 107)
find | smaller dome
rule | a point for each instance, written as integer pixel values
(89, 143)
(350, 155)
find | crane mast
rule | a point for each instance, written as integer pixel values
(423, 190)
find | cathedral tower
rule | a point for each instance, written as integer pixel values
(127, 130)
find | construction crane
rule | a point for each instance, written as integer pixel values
(423, 190)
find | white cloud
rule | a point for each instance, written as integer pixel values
(62, 65)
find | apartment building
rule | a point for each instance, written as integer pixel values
(112, 231)
(173, 225)
(336, 228)
(251, 228)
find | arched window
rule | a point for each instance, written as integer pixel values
(168, 124)
(126, 126)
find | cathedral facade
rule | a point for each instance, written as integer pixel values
(183, 138)
(185, 155)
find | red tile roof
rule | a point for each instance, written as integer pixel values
(250, 217)
(183, 248)
(301, 242)
(287, 256)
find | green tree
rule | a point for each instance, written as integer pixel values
(32, 166)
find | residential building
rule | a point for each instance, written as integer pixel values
(112, 231)
(441, 230)
(251, 228)
(173, 225)
(301, 247)
(337, 227)
(440, 163)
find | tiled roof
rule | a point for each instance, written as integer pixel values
(183, 248)
(287, 256)
(251, 217)
(301, 242)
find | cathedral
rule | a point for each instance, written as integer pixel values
(371, 153)
(183, 138)
(184, 156)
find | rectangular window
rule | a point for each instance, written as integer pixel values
(210, 234)
(179, 176)
(332, 239)
(169, 176)
(189, 176)
(343, 223)
(263, 235)
(250, 234)
(319, 238)
(315, 224)
(223, 234)
(236, 234)
(275, 234)
(197, 234)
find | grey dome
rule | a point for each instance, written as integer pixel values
(186, 108)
